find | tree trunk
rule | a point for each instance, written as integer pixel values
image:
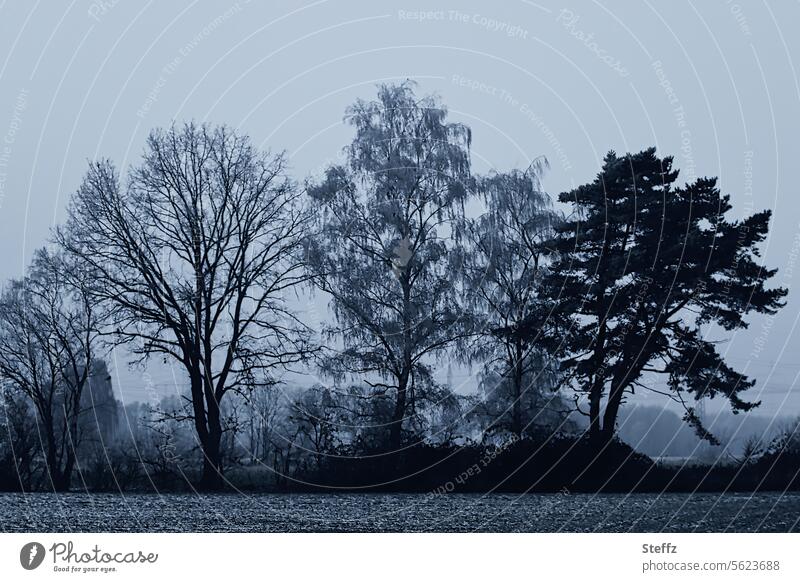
(615, 395)
(610, 419)
(212, 479)
(59, 480)
(516, 414)
(209, 430)
(598, 382)
(399, 415)
(594, 414)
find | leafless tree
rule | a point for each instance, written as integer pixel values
(48, 332)
(386, 251)
(197, 253)
(506, 258)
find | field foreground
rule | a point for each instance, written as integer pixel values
(556, 512)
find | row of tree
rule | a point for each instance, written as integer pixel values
(202, 253)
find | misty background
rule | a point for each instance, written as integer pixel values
(715, 84)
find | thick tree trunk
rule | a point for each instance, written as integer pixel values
(209, 432)
(618, 386)
(212, 479)
(630, 368)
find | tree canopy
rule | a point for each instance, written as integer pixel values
(385, 248)
(644, 268)
(196, 254)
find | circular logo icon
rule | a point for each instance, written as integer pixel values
(31, 555)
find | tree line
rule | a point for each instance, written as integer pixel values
(203, 253)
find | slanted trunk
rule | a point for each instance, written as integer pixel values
(611, 412)
(594, 414)
(596, 388)
(618, 385)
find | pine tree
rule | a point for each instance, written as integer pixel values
(644, 268)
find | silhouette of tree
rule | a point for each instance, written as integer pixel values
(385, 250)
(196, 256)
(49, 327)
(644, 266)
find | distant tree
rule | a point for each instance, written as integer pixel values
(19, 443)
(440, 417)
(542, 409)
(505, 260)
(386, 250)
(49, 327)
(644, 267)
(101, 408)
(263, 407)
(315, 413)
(196, 256)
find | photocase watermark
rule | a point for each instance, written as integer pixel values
(10, 137)
(740, 18)
(473, 18)
(548, 504)
(524, 109)
(787, 275)
(688, 167)
(748, 205)
(476, 469)
(31, 555)
(98, 9)
(569, 20)
(65, 558)
(167, 449)
(174, 64)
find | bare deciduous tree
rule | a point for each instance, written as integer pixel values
(197, 254)
(48, 331)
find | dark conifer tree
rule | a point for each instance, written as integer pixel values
(644, 268)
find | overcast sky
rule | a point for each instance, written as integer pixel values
(714, 83)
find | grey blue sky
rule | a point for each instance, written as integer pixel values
(715, 83)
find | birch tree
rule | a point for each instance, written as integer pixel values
(386, 251)
(506, 259)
